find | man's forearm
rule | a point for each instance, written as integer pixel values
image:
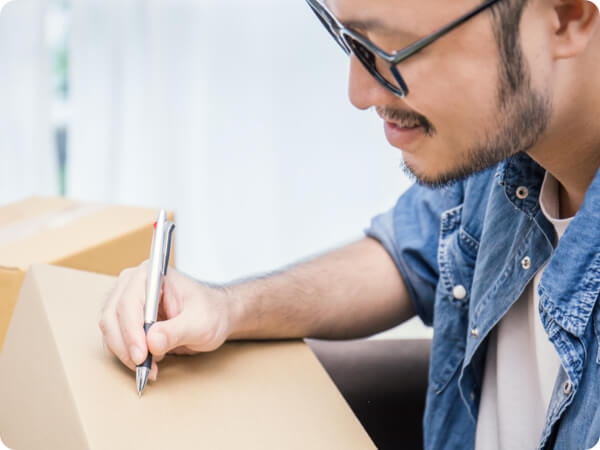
(351, 292)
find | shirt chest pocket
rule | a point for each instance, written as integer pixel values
(457, 253)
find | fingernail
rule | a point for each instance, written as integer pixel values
(160, 340)
(136, 355)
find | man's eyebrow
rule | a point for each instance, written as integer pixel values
(369, 25)
(372, 24)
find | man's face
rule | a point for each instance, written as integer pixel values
(470, 111)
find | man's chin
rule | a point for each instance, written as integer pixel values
(431, 178)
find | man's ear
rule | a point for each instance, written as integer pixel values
(575, 22)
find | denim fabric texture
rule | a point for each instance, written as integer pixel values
(489, 235)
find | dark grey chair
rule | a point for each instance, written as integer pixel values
(384, 382)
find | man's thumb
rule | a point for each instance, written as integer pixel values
(166, 335)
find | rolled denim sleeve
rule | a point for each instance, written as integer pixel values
(410, 234)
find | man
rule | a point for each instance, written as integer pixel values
(494, 106)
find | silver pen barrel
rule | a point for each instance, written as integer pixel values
(155, 269)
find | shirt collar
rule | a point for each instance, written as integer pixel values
(520, 171)
(571, 282)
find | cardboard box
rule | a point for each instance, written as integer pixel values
(97, 238)
(60, 390)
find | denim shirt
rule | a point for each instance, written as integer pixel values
(489, 235)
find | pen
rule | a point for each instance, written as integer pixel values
(157, 269)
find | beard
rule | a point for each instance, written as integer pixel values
(523, 113)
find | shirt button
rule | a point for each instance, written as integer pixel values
(568, 388)
(522, 192)
(459, 292)
(526, 263)
(472, 396)
(475, 332)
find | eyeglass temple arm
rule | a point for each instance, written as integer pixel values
(419, 45)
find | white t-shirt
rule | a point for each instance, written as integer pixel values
(521, 364)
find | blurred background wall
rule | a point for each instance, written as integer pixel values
(232, 113)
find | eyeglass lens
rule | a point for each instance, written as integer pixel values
(328, 24)
(376, 66)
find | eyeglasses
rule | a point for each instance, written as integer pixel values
(379, 63)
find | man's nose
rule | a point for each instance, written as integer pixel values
(364, 90)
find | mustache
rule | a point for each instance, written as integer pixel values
(400, 115)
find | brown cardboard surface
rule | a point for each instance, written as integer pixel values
(93, 237)
(59, 389)
(32, 207)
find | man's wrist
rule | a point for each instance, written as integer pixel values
(238, 306)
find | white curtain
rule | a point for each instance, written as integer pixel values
(232, 113)
(28, 163)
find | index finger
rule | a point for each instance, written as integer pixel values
(130, 317)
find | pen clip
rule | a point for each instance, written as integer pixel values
(167, 249)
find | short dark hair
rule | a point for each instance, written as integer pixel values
(506, 21)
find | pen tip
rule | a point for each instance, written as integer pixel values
(141, 379)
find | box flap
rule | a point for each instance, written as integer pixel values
(33, 382)
(61, 233)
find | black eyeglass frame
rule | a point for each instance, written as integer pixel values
(341, 34)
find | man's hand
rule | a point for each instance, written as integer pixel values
(348, 293)
(192, 318)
